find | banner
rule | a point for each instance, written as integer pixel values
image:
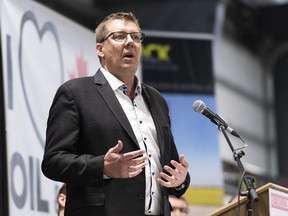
(41, 50)
(278, 203)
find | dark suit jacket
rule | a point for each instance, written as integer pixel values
(86, 120)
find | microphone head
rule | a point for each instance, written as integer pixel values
(199, 106)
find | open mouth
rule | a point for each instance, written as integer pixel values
(128, 55)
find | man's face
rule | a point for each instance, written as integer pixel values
(121, 58)
(179, 207)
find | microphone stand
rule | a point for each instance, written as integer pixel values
(249, 181)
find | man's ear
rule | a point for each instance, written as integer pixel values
(99, 49)
(62, 199)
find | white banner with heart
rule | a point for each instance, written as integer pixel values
(40, 50)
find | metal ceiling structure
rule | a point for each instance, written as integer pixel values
(259, 26)
(256, 23)
(169, 15)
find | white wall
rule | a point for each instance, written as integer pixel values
(241, 87)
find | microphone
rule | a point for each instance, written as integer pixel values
(200, 107)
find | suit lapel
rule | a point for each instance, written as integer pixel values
(112, 102)
(156, 118)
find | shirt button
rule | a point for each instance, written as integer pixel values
(141, 196)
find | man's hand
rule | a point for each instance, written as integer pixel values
(177, 174)
(127, 165)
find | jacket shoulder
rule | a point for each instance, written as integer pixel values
(79, 81)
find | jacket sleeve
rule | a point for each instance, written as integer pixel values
(60, 161)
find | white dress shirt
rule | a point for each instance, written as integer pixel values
(144, 129)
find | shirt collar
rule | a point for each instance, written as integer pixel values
(115, 83)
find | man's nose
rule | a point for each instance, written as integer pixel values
(129, 41)
(129, 38)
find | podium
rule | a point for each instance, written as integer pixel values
(260, 208)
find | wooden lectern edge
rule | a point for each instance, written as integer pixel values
(234, 203)
(273, 186)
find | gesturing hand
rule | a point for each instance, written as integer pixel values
(125, 165)
(177, 174)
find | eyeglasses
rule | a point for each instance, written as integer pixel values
(122, 36)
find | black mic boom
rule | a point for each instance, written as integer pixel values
(199, 106)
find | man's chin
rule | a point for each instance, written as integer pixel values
(130, 68)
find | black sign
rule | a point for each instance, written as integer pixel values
(178, 65)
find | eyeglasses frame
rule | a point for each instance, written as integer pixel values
(112, 34)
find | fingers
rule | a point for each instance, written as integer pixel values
(117, 148)
(183, 162)
(125, 165)
(133, 174)
(128, 156)
(177, 175)
(170, 180)
(135, 161)
(137, 166)
(133, 154)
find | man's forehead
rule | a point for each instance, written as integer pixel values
(118, 24)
